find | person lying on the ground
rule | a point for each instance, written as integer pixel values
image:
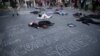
(59, 6)
(87, 20)
(61, 12)
(77, 15)
(44, 16)
(96, 16)
(58, 9)
(50, 12)
(49, 8)
(35, 12)
(41, 24)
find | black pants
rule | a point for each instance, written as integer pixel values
(82, 4)
(95, 4)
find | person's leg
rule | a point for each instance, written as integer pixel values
(13, 12)
(85, 22)
(86, 7)
(16, 11)
(30, 4)
(27, 3)
(82, 5)
(93, 6)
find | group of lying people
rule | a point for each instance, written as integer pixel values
(89, 19)
(56, 11)
(45, 23)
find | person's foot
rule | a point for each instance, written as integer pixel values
(51, 24)
(86, 23)
(17, 14)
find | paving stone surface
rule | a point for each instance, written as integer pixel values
(17, 39)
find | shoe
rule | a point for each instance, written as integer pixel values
(17, 14)
(38, 27)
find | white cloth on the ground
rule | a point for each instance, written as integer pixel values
(44, 16)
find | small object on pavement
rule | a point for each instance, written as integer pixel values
(71, 25)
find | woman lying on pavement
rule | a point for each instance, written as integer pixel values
(41, 24)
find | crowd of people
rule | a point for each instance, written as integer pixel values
(82, 4)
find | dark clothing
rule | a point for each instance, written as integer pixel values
(95, 4)
(75, 5)
(28, 4)
(94, 16)
(52, 2)
(87, 20)
(42, 24)
(82, 3)
(13, 4)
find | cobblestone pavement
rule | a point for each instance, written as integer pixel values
(17, 39)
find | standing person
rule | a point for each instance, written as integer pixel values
(36, 3)
(94, 5)
(14, 6)
(82, 3)
(48, 2)
(75, 4)
(30, 3)
(60, 4)
(65, 2)
(87, 4)
(72, 3)
(40, 4)
(52, 3)
(44, 2)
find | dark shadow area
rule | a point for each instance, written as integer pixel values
(94, 16)
(35, 12)
(88, 20)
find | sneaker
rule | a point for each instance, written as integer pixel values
(17, 14)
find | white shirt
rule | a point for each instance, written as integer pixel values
(44, 16)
